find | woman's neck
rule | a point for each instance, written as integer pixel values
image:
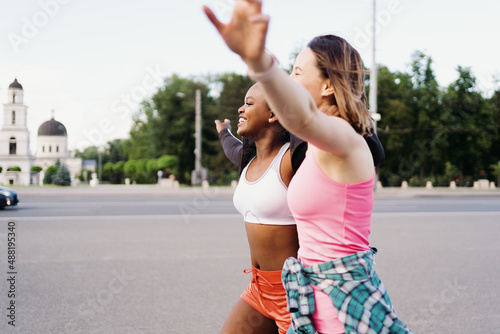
(267, 146)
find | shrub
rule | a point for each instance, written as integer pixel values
(62, 176)
(36, 169)
(49, 174)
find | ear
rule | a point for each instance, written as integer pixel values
(272, 117)
(327, 89)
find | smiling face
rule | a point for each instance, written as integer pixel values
(254, 113)
(307, 73)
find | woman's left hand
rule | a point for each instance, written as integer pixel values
(246, 33)
(221, 126)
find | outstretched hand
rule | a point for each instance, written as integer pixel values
(246, 33)
(221, 126)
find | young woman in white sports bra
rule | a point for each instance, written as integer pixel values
(272, 236)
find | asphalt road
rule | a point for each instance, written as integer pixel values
(167, 262)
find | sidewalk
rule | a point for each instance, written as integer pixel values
(436, 192)
(155, 190)
(121, 190)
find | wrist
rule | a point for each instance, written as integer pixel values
(261, 64)
(266, 73)
(222, 131)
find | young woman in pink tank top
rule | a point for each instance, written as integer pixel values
(323, 102)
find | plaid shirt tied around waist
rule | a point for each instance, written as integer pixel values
(358, 295)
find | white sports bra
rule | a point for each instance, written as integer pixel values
(264, 201)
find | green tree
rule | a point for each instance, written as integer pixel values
(129, 169)
(151, 169)
(89, 153)
(469, 126)
(107, 171)
(168, 163)
(62, 176)
(116, 151)
(50, 172)
(395, 93)
(165, 124)
(410, 108)
(450, 171)
(494, 103)
(136, 170)
(495, 169)
(118, 175)
(114, 148)
(427, 141)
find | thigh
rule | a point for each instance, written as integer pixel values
(244, 319)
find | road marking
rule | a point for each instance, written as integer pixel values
(125, 217)
(110, 203)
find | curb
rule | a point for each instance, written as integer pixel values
(155, 190)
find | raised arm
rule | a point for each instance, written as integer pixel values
(298, 112)
(232, 146)
(245, 35)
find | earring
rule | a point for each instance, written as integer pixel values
(270, 120)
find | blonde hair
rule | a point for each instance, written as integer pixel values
(343, 66)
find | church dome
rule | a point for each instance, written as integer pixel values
(15, 84)
(52, 128)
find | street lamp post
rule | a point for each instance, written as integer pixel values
(373, 80)
(99, 151)
(197, 175)
(373, 72)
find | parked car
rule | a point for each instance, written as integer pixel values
(8, 197)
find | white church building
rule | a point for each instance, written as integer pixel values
(16, 159)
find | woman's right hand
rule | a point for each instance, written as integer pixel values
(221, 126)
(246, 33)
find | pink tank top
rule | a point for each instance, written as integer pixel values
(333, 220)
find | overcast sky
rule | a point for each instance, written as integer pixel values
(93, 61)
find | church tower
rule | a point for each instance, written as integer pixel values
(15, 139)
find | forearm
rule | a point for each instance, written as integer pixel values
(298, 113)
(233, 148)
(291, 102)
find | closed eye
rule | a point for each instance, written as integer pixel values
(297, 71)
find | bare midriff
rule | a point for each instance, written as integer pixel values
(271, 245)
